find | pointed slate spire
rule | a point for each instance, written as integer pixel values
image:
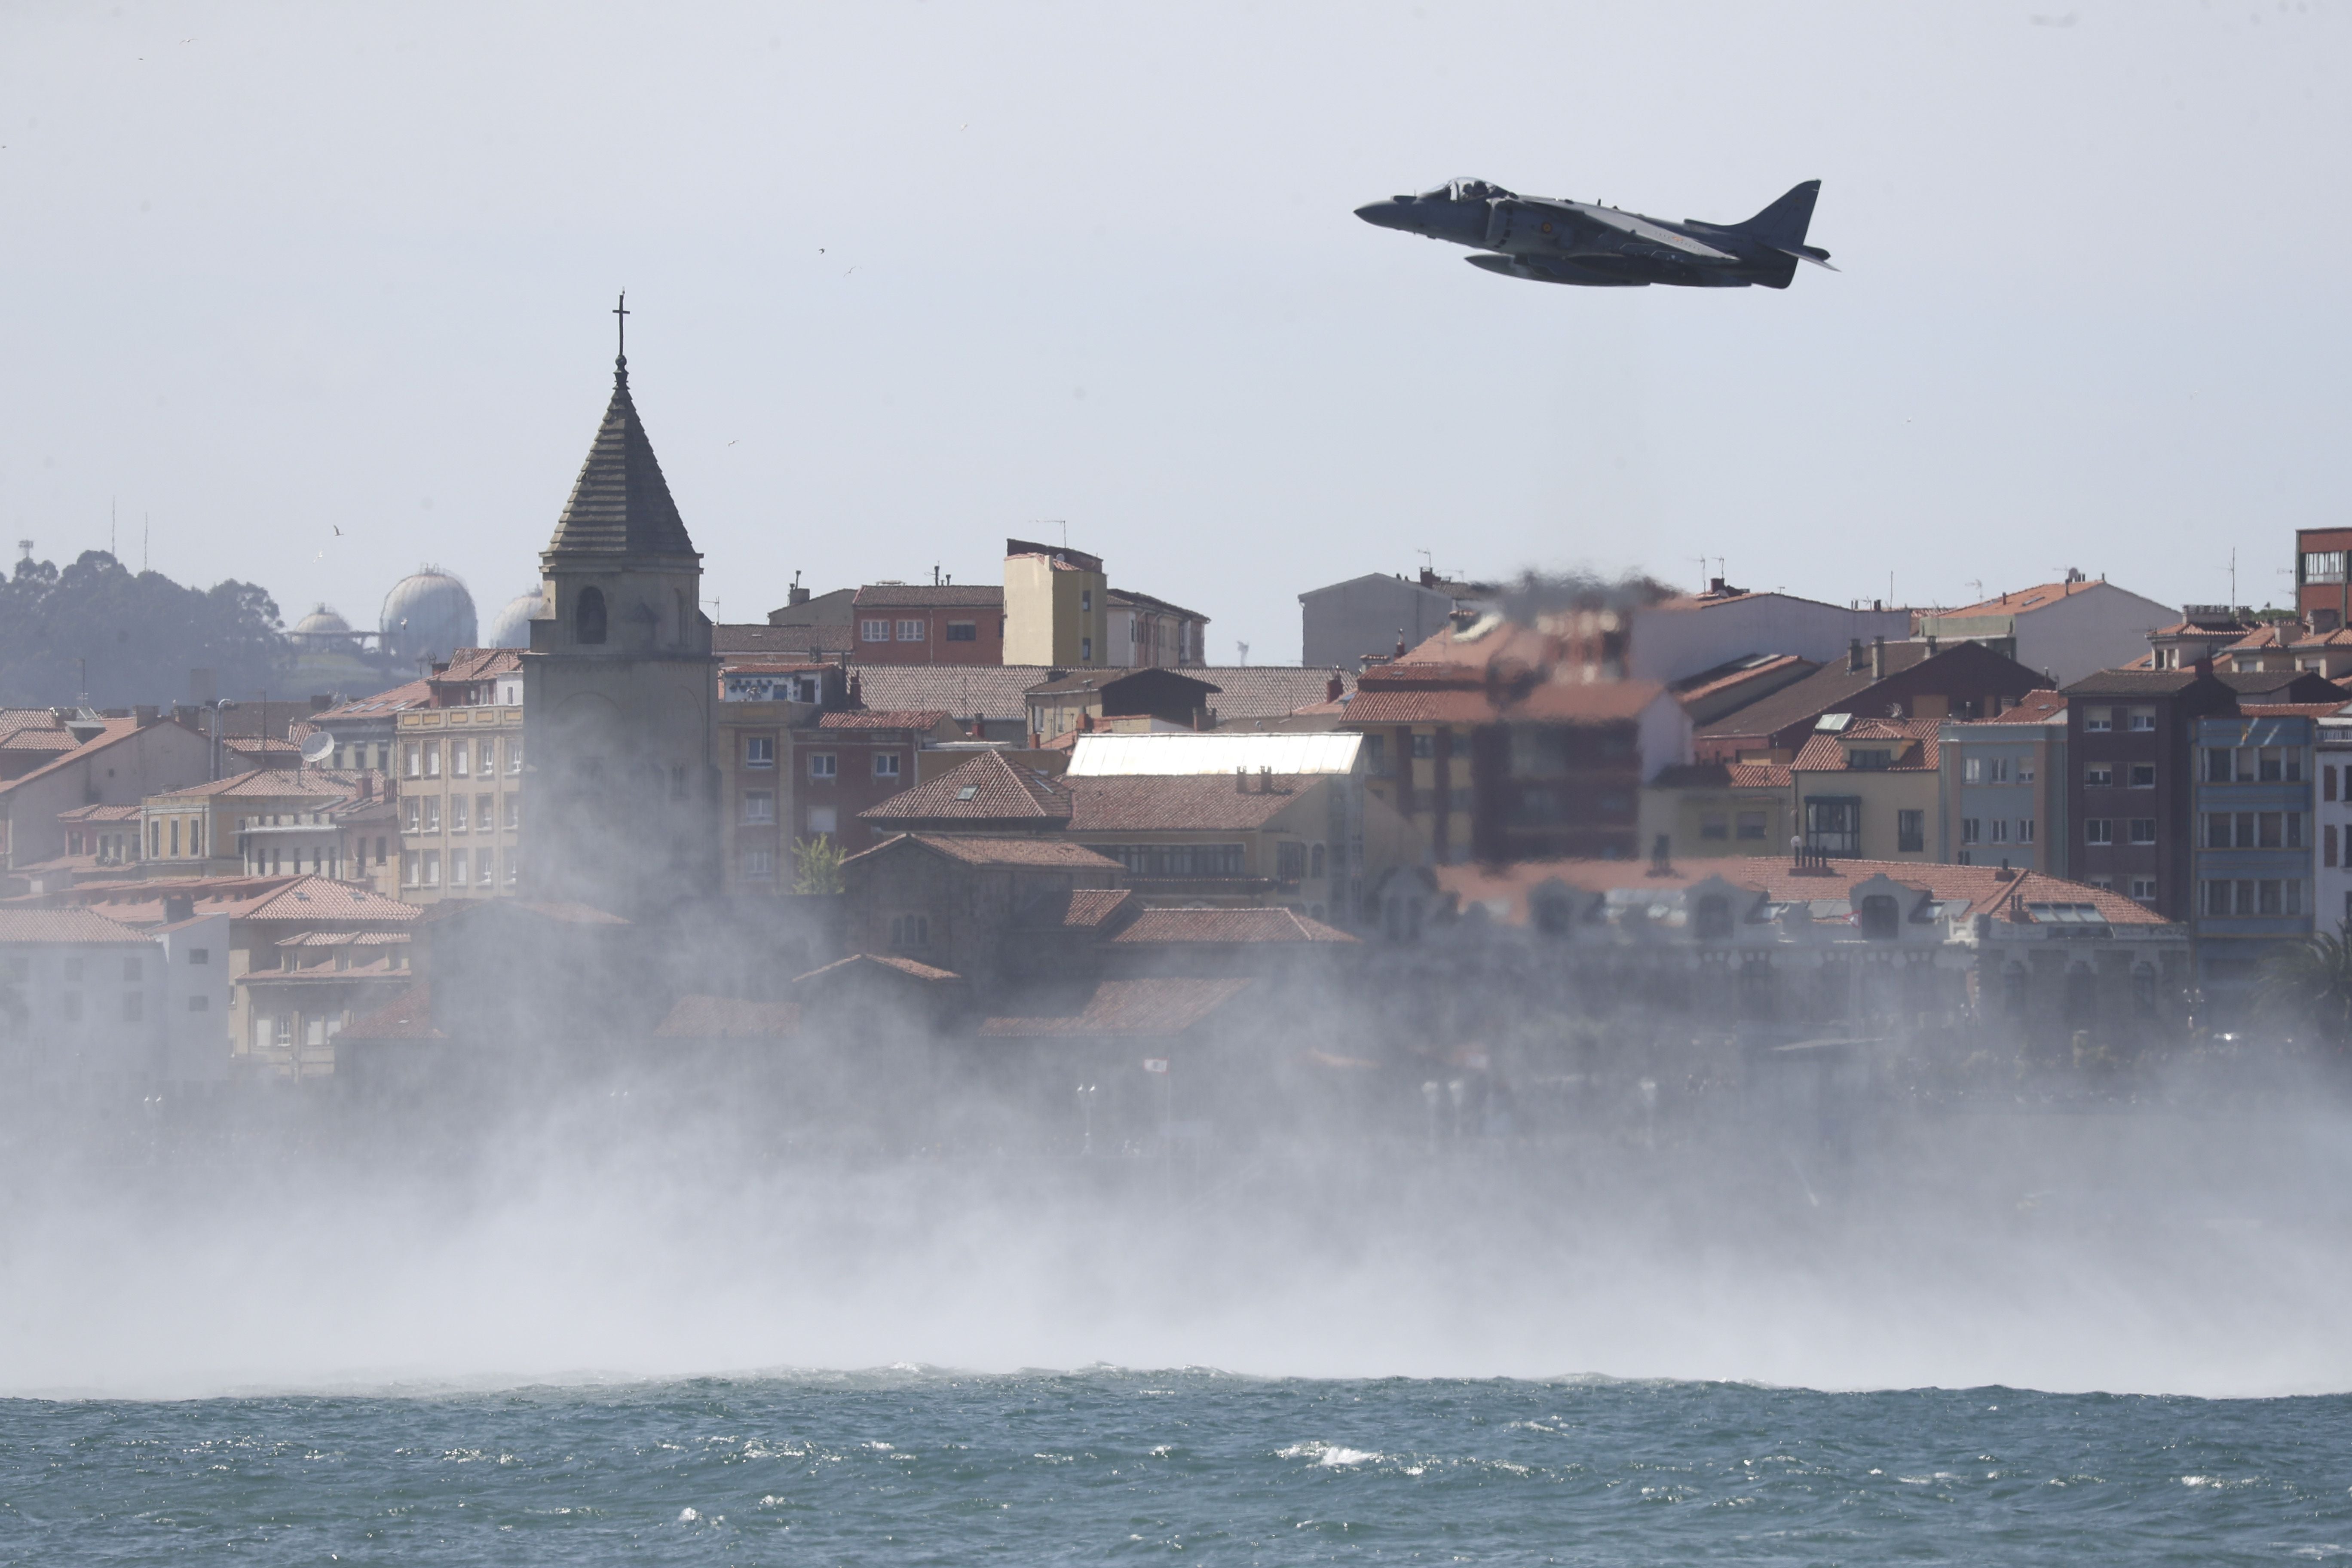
(620, 505)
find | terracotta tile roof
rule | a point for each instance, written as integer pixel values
(408, 694)
(1434, 705)
(407, 1016)
(1101, 679)
(2020, 600)
(1148, 803)
(34, 730)
(2291, 710)
(985, 789)
(1247, 691)
(926, 596)
(100, 813)
(1829, 690)
(1172, 926)
(19, 927)
(1722, 775)
(2043, 707)
(1913, 743)
(1085, 908)
(912, 968)
(480, 664)
(882, 719)
(273, 783)
(289, 898)
(1550, 702)
(1145, 1007)
(117, 731)
(1584, 701)
(344, 939)
(758, 636)
(975, 849)
(698, 1017)
(966, 690)
(1979, 888)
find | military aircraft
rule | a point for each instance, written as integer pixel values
(1596, 247)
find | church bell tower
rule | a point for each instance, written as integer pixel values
(618, 689)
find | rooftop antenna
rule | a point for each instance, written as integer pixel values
(27, 546)
(2233, 579)
(1244, 648)
(1427, 560)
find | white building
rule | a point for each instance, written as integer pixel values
(1340, 623)
(1676, 638)
(81, 1002)
(2067, 629)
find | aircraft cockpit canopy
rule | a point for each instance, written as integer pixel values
(1467, 191)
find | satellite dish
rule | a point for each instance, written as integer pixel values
(319, 749)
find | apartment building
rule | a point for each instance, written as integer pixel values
(1057, 606)
(1147, 632)
(461, 802)
(2255, 857)
(2129, 736)
(1867, 788)
(2004, 788)
(939, 623)
(268, 822)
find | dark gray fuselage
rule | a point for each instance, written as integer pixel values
(1553, 241)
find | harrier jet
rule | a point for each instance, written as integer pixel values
(1551, 241)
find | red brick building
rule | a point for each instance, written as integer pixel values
(915, 622)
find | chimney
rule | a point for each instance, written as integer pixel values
(1854, 656)
(367, 786)
(147, 713)
(1662, 860)
(178, 907)
(857, 691)
(1334, 689)
(1241, 779)
(1264, 780)
(1878, 658)
(1715, 587)
(1931, 644)
(1400, 652)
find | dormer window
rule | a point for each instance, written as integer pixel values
(588, 617)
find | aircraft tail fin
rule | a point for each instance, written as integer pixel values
(1783, 224)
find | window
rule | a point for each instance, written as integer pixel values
(2327, 782)
(199, 955)
(514, 816)
(432, 814)
(2269, 765)
(1314, 861)
(1376, 755)
(486, 814)
(460, 869)
(2098, 720)
(1972, 771)
(175, 836)
(2098, 830)
(2295, 830)
(1971, 830)
(805, 689)
(821, 820)
(1880, 918)
(2097, 775)
(2143, 775)
(1177, 859)
(200, 1004)
(433, 867)
(1833, 824)
(757, 865)
(1910, 832)
(1086, 650)
(1750, 825)
(588, 617)
(1085, 601)
(2143, 719)
(1714, 921)
(408, 870)
(911, 930)
(2025, 830)
(2271, 903)
(2323, 566)
(1873, 760)
(514, 755)
(461, 760)
(873, 631)
(886, 764)
(2000, 770)
(457, 814)
(2268, 824)
(759, 751)
(964, 631)
(514, 867)
(1424, 746)
(823, 764)
(2143, 830)
(911, 631)
(2000, 830)
(1714, 824)
(411, 763)
(431, 759)
(2025, 770)
(2217, 765)
(2144, 889)
(760, 806)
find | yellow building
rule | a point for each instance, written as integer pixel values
(1868, 788)
(1057, 606)
(267, 823)
(1704, 810)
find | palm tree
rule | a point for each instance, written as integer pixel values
(2311, 980)
(819, 865)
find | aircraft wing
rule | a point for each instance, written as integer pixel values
(1641, 228)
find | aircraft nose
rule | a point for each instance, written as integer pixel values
(1385, 215)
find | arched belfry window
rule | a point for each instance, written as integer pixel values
(588, 615)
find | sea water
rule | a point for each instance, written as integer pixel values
(924, 1465)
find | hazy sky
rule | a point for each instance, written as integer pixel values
(909, 278)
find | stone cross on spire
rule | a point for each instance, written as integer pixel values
(622, 310)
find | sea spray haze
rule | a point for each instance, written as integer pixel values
(638, 1222)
